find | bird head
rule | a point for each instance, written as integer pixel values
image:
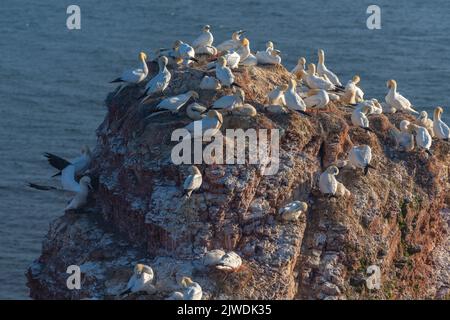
(356, 79)
(194, 170)
(222, 61)
(269, 44)
(163, 60)
(333, 170)
(311, 68)
(292, 83)
(284, 87)
(438, 111)
(215, 114)
(86, 181)
(303, 206)
(193, 94)
(404, 124)
(245, 42)
(142, 56)
(391, 84)
(423, 115)
(186, 281)
(206, 28)
(301, 61)
(177, 44)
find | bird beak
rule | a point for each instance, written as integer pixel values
(242, 32)
(164, 49)
(90, 187)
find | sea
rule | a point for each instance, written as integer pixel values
(54, 79)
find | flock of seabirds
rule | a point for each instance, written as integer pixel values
(311, 87)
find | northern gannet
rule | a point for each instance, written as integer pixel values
(80, 198)
(373, 280)
(293, 100)
(158, 83)
(423, 138)
(327, 181)
(184, 51)
(196, 111)
(244, 110)
(387, 108)
(233, 58)
(404, 140)
(315, 82)
(205, 39)
(424, 121)
(360, 157)
(244, 49)
(210, 83)
(230, 101)
(292, 211)
(192, 290)
(192, 182)
(301, 64)
(269, 46)
(231, 44)
(224, 74)
(322, 69)
(396, 100)
(80, 163)
(317, 99)
(209, 125)
(220, 260)
(207, 50)
(359, 117)
(276, 96)
(268, 57)
(141, 280)
(441, 130)
(352, 93)
(134, 76)
(173, 104)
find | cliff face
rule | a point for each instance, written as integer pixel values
(394, 217)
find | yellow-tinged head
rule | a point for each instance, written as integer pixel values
(292, 83)
(142, 56)
(177, 44)
(245, 42)
(391, 84)
(302, 61)
(333, 170)
(437, 112)
(356, 79)
(222, 61)
(193, 94)
(186, 281)
(269, 44)
(312, 68)
(195, 170)
(303, 206)
(284, 87)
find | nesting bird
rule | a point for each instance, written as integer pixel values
(441, 130)
(191, 291)
(373, 280)
(315, 82)
(268, 57)
(184, 52)
(317, 98)
(424, 121)
(327, 181)
(229, 102)
(276, 96)
(403, 138)
(322, 70)
(353, 94)
(193, 182)
(292, 211)
(210, 83)
(228, 262)
(196, 111)
(224, 74)
(396, 100)
(360, 119)
(360, 157)
(301, 64)
(233, 43)
(158, 83)
(141, 280)
(293, 100)
(174, 104)
(209, 126)
(423, 137)
(203, 43)
(246, 110)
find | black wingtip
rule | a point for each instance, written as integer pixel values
(304, 113)
(236, 85)
(56, 174)
(366, 170)
(367, 129)
(429, 152)
(194, 59)
(116, 80)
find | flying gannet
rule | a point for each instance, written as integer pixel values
(233, 43)
(441, 130)
(133, 76)
(292, 211)
(80, 163)
(141, 280)
(327, 181)
(174, 103)
(360, 119)
(158, 83)
(293, 100)
(424, 121)
(317, 99)
(360, 157)
(193, 182)
(205, 39)
(423, 137)
(224, 74)
(209, 125)
(276, 96)
(322, 69)
(229, 102)
(196, 111)
(396, 100)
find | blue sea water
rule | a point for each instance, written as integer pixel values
(54, 80)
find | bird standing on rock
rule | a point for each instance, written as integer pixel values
(359, 117)
(441, 130)
(158, 83)
(141, 280)
(327, 181)
(323, 70)
(396, 100)
(360, 157)
(293, 100)
(224, 74)
(134, 76)
(193, 182)
(233, 43)
(423, 137)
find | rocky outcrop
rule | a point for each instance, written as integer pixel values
(393, 218)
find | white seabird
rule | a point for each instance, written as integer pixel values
(268, 57)
(396, 100)
(196, 111)
(276, 96)
(210, 83)
(315, 82)
(193, 182)
(247, 57)
(184, 51)
(323, 70)
(220, 260)
(327, 181)
(423, 137)
(209, 125)
(292, 211)
(205, 39)
(373, 281)
(141, 280)
(360, 157)
(158, 83)
(317, 98)
(230, 101)
(360, 119)
(293, 100)
(301, 64)
(224, 74)
(192, 290)
(352, 92)
(233, 43)
(403, 138)
(441, 130)
(233, 58)
(80, 163)
(174, 104)
(244, 110)
(424, 121)
(134, 76)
